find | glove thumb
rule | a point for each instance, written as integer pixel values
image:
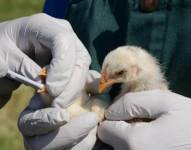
(19, 62)
(147, 104)
(93, 81)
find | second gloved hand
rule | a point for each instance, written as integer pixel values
(170, 129)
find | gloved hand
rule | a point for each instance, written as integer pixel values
(170, 129)
(48, 128)
(29, 43)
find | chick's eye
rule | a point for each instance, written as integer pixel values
(119, 73)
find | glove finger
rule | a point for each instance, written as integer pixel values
(76, 81)
(88, 142)
(37, 120)
(66, 136)
(92, 82)
(41, 121)
(147, 104)
(61, 65)
(68, 53)
(72, 89)
(114, 133)
(22, 64)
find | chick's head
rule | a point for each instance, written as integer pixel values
(123, 65)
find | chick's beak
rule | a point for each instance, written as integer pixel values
(105, 83)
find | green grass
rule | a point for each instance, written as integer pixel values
(10, 138)
(10, 9)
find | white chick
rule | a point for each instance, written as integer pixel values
(136, 69)
(132, 66)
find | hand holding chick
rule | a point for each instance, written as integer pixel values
(169, 128)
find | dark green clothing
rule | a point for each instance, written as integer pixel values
(103, 25)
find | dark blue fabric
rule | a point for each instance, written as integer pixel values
(56, 8)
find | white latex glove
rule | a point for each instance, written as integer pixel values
(171, 129)
(29, 43)
(50, 128)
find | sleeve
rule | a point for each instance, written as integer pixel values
(56, 8)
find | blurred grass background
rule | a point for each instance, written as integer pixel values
(10, 9)
(10, 138)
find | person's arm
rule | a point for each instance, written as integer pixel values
(170, 128)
